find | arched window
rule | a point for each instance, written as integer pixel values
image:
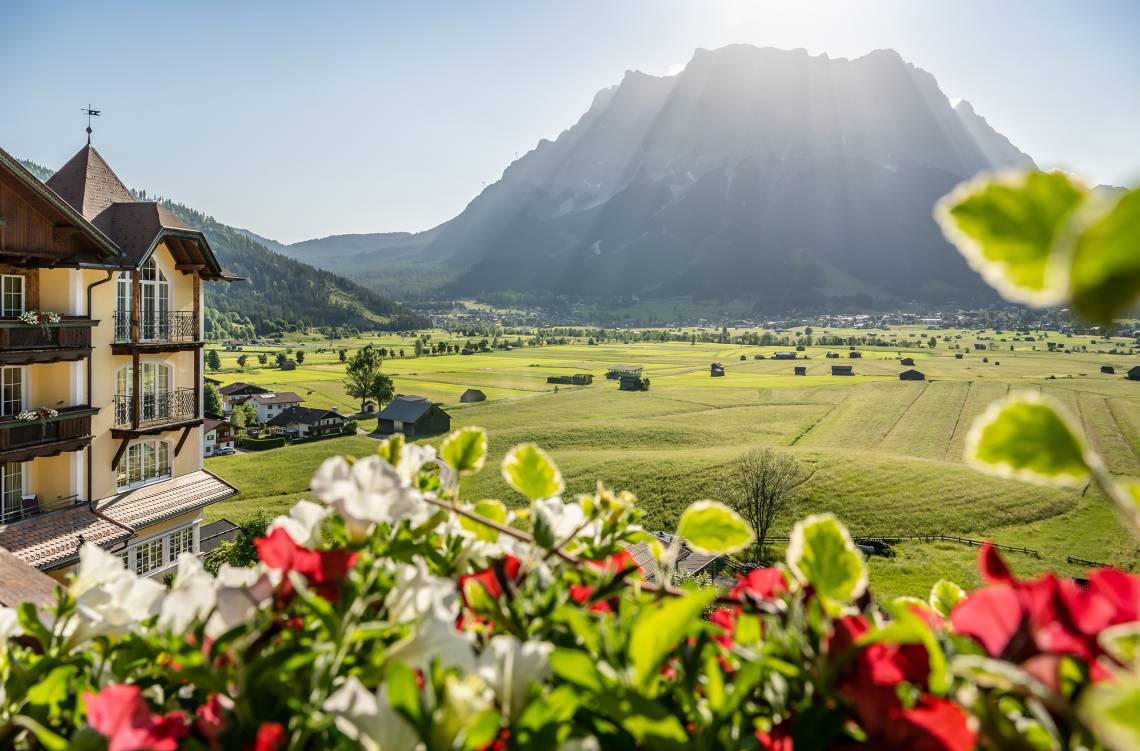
(155, 304)
(156, 381)
(143, 462)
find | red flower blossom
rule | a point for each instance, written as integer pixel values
(761, 584)
(726, 620)
(489, 580)
(122, 715)
(580, 593)
(779, 739)
(1034, 623)
(208, 722)
(270, 737)
(323, 569)
(617, 563)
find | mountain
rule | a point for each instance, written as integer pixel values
(755, 173)
(279, 293)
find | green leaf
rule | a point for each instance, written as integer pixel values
(390, 448)
(482, 731)
(1028, 437)
(47, 738)
(490, 509)
(530, 471)
(1007, 228)
(821, 553)
(660, 627)
(712, 527)
(944, 595)
(465, 450)
(1122, 643)
(1112, 710)
(1104, 276)
(577, 667)
(54, 689)
(403, 694)
(30, 622)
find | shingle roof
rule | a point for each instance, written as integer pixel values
(89, 184)
(137, 226)
(280, 397)
(302, 416)
(19, 582)
(53, 539)
(406, 409)
(238, 386)
(212, 422)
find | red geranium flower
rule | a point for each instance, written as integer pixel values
(779, 739)
(725, 618)
(617, 563)
(323, 569)
(208, 722)
(761, 584)
(1035, 623)
(270, 737)
(122, 715)
(489, 580)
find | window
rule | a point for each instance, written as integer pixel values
(148, 556)
(12, 288)
(144, 462)
(181, 541)
(155, 379)
(11, 491)
(155, 291)
(11, 390)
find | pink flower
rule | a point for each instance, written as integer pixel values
(122, 715)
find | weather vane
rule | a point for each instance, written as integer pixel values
(90, 114)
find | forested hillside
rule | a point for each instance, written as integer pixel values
(279, 294)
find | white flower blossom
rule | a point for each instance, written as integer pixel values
(589, 743)
(192, 595)
(464, 699)
(369, 719)
(110, 599)
(240, 593)
(432, 638)
(303, 523)
(417, 593)
(9, 627)
(510, 667)
(367, 493)
(564, 519)
(413, 457)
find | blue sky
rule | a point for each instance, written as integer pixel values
(303, 119)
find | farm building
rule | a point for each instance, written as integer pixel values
(633, 383)
(472, 395)
(801, 348)
(979, 346)
(582, 379)
(854, 355)
(617, 371)
(1134, 373)
(688, 562)
(1107, 369)
(784, 356)
(911, 374)
(909, 361)
(958, 355)
(832, 355)
(716, 370)
(307, 422)
(842, 370)
(413, 416)
(744, 357)
(368, 408)
(801, 370)
(269, 405)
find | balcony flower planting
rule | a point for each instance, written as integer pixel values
(41, 318)
(42, 414)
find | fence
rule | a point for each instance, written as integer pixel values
(897, 539)
(1090, 564)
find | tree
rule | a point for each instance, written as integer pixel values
(241, 361)
(213, 362)
(240, 552)
(764, 485)
(300, 356)
(212, 399)
(281, 358)
(343, 355)
(249, 412)
(262, 359)
(364, 379)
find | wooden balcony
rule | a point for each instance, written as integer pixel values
(66, 341)
(156, 332)
(22, 440)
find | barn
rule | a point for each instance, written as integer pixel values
(958, 355)
(413, 416)
(744, 357)
(842, 370)
(633, 383)
(854, 355)
(908, 361)
(784, 356)
(716, 370)
(617, 371)
(911, 375)
(1107, 369)
(801, 370)
(1134, 373)
(472, 395)
(832, 355)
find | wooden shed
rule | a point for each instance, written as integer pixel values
(911, 375)
(633, 383)
(909, 361)
(1134, 373)
(854, 355)
(472, 395)
(413, 416)
(801, 370)
(1107, 369)
(716, 370)
(842, 370)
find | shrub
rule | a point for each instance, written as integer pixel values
(261, 444)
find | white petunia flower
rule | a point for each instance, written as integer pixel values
(416, 593)
(369, 719)
(368, 493)
(432, 638)
(412, 458)
(9, 627)
(303, 523)
(510, 667)
(240, 593)
(110, 600)
(563, 519)
(192, 595)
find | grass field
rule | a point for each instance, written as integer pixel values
(887, 453)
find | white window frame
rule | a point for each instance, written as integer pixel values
(9, 515)
(167, 549)
(4, 374)
(137, 452)
(12, 312)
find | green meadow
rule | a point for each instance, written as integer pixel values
(887, 454)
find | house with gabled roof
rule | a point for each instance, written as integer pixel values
(272, 403)
(307, 422)
(413, 416)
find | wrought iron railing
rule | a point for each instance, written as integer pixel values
(27, 505)
(70, 423)
(156, 408)
(176, 326)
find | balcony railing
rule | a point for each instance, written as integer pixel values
(157, 408)
(157, 328)
(19, 340)
(71, 423)
(30, 504)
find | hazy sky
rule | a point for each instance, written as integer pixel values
(304, 119)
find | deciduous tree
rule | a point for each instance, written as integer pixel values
(364, 379)
(764, 485)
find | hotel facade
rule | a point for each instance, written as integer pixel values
(101, 336)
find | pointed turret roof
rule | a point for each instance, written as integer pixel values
(89, 184)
